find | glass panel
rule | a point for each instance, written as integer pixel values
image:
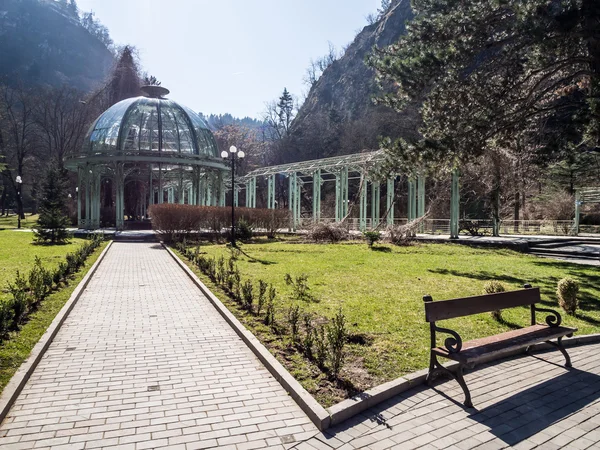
(103, 137)
(206, 142)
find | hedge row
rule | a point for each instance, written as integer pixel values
(173, 220)
(28, 292)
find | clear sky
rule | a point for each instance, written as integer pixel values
(230, 56)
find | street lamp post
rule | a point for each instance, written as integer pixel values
(19, 182)
(232, 155)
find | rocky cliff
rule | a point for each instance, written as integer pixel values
(338, 115)
(42, 42)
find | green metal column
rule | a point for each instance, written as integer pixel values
(253, 196)
(421, 200)
(411, 202)
(180, 193)
(221, 182)
(96, 203)
(421, 196)
(202, 190)
(345, 192)
(119, 197)
(390, 201)
(363, 202)
(208, 190)
(575, 230)
(338, 201)
(161, 189)
(79, 224)
(150, 189)
(88, 206)
(455, 205)
(375, 203)
(316, 195)
(248, 199)
(297, 202)
(271, 192)
(292, 199)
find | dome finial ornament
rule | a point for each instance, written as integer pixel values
(154, 91)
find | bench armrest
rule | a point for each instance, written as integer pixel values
(553, 320)
(453, 343)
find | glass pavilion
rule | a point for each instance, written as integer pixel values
(142, 151)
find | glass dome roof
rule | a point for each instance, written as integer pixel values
(144, 125)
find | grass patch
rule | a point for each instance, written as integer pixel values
(11, 221)
(381, 294)
(18, 252)
(20, 343)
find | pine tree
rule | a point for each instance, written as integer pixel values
(285, 109)
(53, 220)
(487, 73)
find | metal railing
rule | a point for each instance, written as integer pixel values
(507, 227)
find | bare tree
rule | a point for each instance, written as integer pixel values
(17, 134)
(62, 119)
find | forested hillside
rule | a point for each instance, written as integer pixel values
(46, 42)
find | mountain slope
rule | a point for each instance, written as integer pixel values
(338, 116)
(42, 42)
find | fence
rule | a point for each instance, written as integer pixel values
(478, 226)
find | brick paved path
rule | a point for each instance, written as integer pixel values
(523, 402)
(145, 361)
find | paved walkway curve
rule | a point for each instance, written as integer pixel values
(145, 361)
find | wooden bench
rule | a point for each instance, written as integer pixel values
(470, 353)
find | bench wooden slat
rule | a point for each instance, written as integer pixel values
(504, 343)
(459, 307)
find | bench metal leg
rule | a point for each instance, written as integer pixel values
(463, 385)
(559, 345)
(436, 366)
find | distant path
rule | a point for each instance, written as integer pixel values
(145, 361)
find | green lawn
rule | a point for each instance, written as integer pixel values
(17, 251)
(9, 222)
(381, 294)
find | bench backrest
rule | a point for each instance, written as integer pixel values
(460, 307)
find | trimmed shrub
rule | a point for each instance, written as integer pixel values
(371, 237)
(270, 311)
(262, 297)
(248, 295)
(6, 317)
(243, 230)
(320, 346)
(336, 339)
(493, 287)
(300, 289)
(309, 335)
(567, 291)
(294, 321)
(20, 300)
(175, 221)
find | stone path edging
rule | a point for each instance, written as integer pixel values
(19, 379)
(319, 416)
(336, 414)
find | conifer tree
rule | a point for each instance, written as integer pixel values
(53, 220)
(489, 72)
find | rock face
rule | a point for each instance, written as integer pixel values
(342, 97)
(42, 42)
